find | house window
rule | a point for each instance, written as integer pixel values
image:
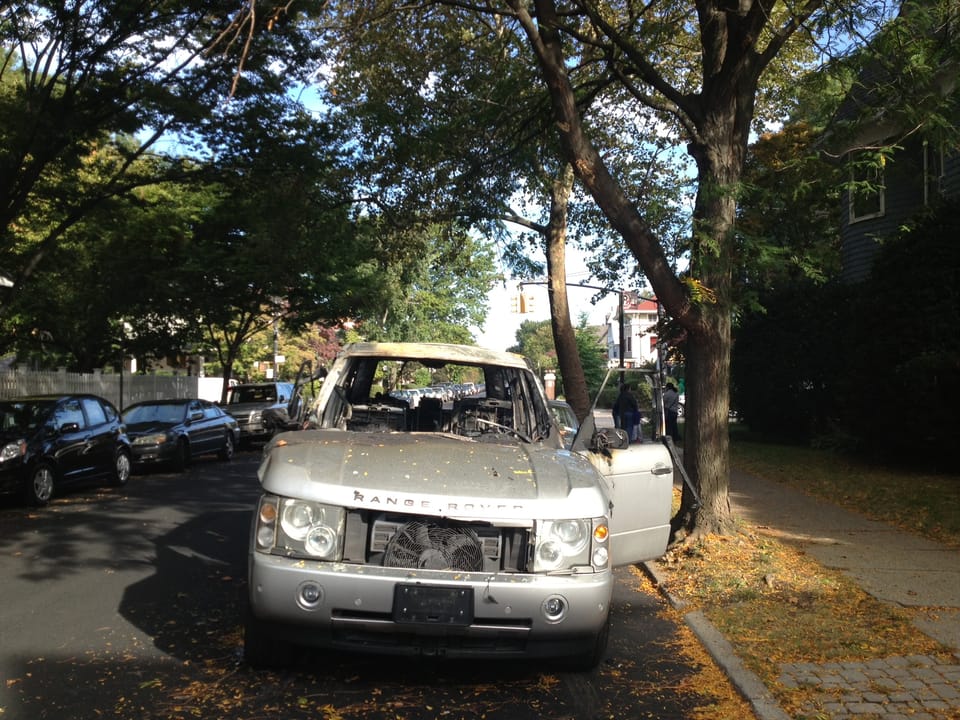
(866, 193)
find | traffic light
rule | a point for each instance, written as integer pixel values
(526, 302)
(521, 303)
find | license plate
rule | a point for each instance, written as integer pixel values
(432, 605)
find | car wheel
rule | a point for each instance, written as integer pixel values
(262, 650)
(180, 456)
(226, 452)
(589, 659)
(40, 485)
(121, 467)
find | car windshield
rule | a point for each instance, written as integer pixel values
(482, 402)
(264, 393)
(24, 416)
(155, 413)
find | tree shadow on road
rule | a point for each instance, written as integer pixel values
(189, 611)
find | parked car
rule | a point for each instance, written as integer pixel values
(458, 529)
(176, 431)
(566, 419)
(48, 442)
(249, 402)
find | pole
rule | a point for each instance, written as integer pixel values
(623, 335)
(623, 341)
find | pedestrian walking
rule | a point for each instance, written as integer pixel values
(625, 410)
(671, 408)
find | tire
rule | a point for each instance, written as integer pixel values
(262, 650)
(589, 660)
(40, 484)
(122, 467)
(226, 452)
(181, 456)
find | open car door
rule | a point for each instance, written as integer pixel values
(638, 481)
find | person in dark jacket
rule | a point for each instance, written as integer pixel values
(626, 411)
(671, 409)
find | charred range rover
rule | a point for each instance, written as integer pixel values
(457, 526)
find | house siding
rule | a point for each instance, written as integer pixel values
(904, 198)
(951, 176)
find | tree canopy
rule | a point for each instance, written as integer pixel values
(484, 115)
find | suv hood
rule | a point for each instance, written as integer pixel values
(427, 473)
(244, 408)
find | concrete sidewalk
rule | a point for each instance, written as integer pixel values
(890, 564)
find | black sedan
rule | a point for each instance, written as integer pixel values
(174, 432)
(51, 440)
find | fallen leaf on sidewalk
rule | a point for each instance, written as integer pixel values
(777, 605)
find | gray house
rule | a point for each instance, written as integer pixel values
(883, 109)
(915, 176)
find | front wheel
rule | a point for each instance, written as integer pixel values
(592, 657)
(226, 452)
(262, 650)
(181, 456)
(121, 467)
(39, 486)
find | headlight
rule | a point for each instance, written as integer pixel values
(298, 517)
(154, 439)
(565, 544)
(255, 416)
(13, 450)
(299, 528)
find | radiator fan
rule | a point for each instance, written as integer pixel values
(428, 546)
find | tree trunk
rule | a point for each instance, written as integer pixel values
(719, 158)
(701, 303)
(706, 441)
(564, 336)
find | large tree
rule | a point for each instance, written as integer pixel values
(456, 127)
(699, 66)
(434, 288)
(78, 75)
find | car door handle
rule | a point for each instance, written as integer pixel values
(661, 469)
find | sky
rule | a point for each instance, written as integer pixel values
(500, 329)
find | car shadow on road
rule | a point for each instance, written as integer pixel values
(181, 655)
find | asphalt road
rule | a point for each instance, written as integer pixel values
(127, 604)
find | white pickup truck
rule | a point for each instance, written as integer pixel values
(459, 528)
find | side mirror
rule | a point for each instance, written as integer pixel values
(194, 416)
(282, 399)
(607, 439)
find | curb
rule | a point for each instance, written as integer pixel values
(746, 682)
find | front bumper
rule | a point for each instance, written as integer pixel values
(355, 609)
(12, 476)
(252, 428)
(152, 454)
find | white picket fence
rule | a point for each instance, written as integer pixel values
(134, 388)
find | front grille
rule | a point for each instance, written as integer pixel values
(429, 546)
(416, 542)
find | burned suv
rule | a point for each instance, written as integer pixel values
(458, 528)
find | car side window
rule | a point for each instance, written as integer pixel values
(110, 411)
(69, 412)
(94, 412)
